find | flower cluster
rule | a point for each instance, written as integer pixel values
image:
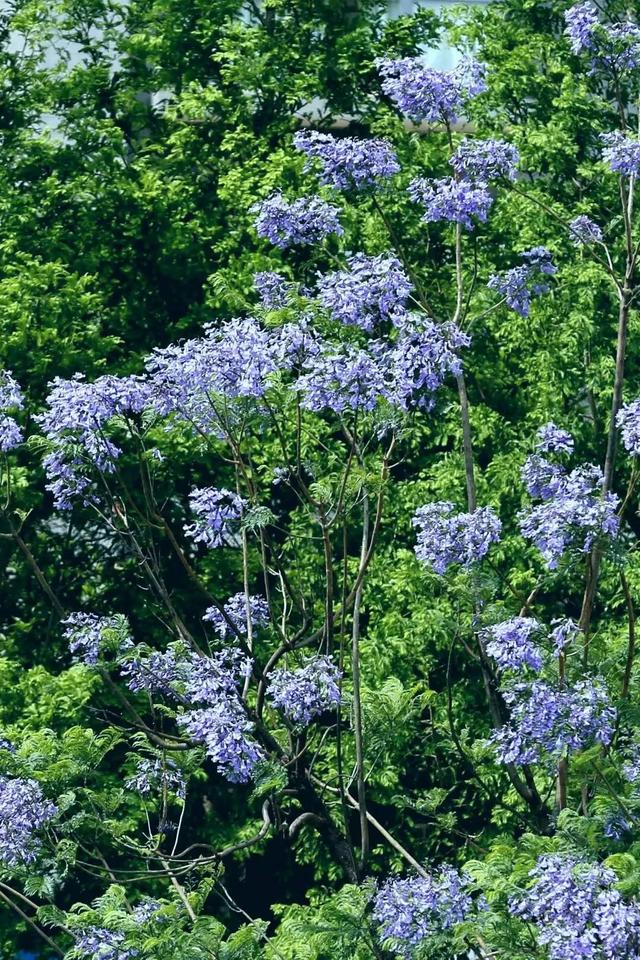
(225, 732)
(220, 721)
(421, 358)
(578, 912)
(553, 439)
(307, 692)
(274, 291)
(511, 643)
(564, 632)
(582, 22)
(209, 679)
(631, 768)
(78, 413)
(146, 910)
(155, 673)
(584, 230)
(348, 162)
(622, 153)
(616, 45)
(372, 290)
(628, 420)
(10, 399)
(157, 776)
(232, 361)
(301, 222)
(85, 633)
(23, 811)
(540, 476)
(295, 343)
(410, 911)
(218, 514)
(235, 622)
(573, 513)
(446, 538)
(343, 378)
(520, 284)
(424, 93)
(485, 160)
(214, 715)
(459, 201)
(403, 373)
(548, 723)
(98, 943)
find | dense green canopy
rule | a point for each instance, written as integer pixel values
(136, 139)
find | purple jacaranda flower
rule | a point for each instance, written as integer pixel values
(348, 162)
(512, 643)
(409, 911)
(576, 911)
(86, 632)
(622, 153)
(573, 515)
(425, 93)
(485, 160)
(306, 692)
(371, 291)
(11, 399)
(553, 439)
(217, 516)
(446, 538)
(456, 201)
(584, 231)
(236, 611)
(519, 285)
(628, 421)
(549, 722)
(24, 811)
(302, 222)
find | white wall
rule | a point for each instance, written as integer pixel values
(442, 57)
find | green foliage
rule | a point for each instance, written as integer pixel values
(126, 225)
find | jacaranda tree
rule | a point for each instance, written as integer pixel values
(383, 633)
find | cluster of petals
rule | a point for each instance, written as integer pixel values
(485, 160)
(424, 93)
(348, 162)
(622, 153)
(584, 231)
(10, 399)
(85, 633)
(24, 811)
(273, 289)
(576, 910)
(609, 45)
(156, 777)
(512, 643)
(306, 692)
(99, 943)
(451, 199)
(519, 285)
(445, 538)
(301, 222)
(238, 611)
(370, 291)
(74, 423)
(574, 513)
(628, 421)
(217, 516)
(410, 911)
(213, 714)
(548, 722)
